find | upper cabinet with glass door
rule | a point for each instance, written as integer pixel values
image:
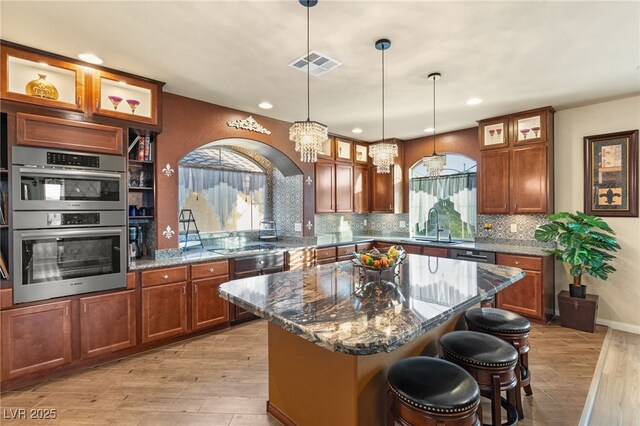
(360, 153)
(344, 150)
(518, 129)
(37, 79)
(124, 97)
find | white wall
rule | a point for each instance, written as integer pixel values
(619, 304)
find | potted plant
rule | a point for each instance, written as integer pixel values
(583, 242)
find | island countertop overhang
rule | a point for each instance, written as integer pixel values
(343, 309)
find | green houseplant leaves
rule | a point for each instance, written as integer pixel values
(583, 242)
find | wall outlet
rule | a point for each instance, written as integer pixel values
(514, 227)
(365, 222)
(298, 227)
(401, 223)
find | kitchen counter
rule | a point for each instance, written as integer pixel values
(327, 240)
(337, 308)
(334, 333)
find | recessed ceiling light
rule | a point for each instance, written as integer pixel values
(429, 129)
(357, 130)
(44, 64)
(91, 58)
(265, 105)
(474, 101)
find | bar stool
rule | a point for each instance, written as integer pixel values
(431, 391)
(508, 326)
(493, 363)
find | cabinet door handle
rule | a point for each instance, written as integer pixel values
(97, 103)
(195, 288)
(390, 207)
(79, 100)
(184, 289)
(85, 308)
(516, 206)
(66, 311)
(165, 276)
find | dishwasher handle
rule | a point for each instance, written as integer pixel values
(473, 255)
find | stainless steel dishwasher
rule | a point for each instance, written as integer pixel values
(472, 255)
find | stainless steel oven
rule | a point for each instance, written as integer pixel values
(64, 253)
(44, 179)
(69, 223)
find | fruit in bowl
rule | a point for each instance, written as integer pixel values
(374, 259)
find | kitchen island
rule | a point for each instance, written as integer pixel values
(334, 330)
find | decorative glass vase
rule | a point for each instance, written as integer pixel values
(41, 88)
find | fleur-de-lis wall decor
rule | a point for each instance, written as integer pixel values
(168, 171)
(168, 233)
(309, 180)
(309, 225)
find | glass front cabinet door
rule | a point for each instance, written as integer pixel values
(124, 97)
(529, 127)
(32, 78)
(494, 133)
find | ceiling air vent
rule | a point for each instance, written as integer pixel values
(319, 63)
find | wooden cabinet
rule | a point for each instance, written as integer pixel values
(381, 191)
(207, 307)
(532, 296)
(344, 188)
(360, 189)
(364, 246)
(361, 153)
(529, 190)
(435, 251)
(35, 339)
(344, 150)
(325, 187)
(493, 182)
(326, 255)
(65, 83)
(164, 276)
(515, 170)
(107, 323)
(124, 97)
(411, 249)
(57, 83)
(345, 252)
(50, 132)
(300, 259)
(164, 311)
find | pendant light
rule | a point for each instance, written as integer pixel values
(308, 135)
(383, 153)
(434, 163)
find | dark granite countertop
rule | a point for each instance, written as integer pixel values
(327, 240)
(340, 309)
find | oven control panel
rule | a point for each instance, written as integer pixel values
(66, 219)
(65, 159)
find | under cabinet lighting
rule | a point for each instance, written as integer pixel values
(91, 58)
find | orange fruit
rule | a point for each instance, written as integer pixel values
(376, 264)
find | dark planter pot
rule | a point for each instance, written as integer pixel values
(575, 291)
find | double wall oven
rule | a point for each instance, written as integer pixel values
(69, 223)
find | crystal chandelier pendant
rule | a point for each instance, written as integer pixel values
(383, 155)
(308, 137)
(434, 163)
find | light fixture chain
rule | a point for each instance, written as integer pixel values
(434, 115)
(383, 94)
(308, 68)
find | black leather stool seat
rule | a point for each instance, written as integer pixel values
(479, 349)
(497, 321)
(433, 385)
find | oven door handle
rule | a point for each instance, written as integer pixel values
(75, 173)
(71, 233)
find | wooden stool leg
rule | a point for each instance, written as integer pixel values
(517, 395)
(495, 402)
(525, 362)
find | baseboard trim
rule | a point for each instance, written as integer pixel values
(585, 418)
(279, 415)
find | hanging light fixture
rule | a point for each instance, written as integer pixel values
(308, 135)
(383, 153)
(434, 163)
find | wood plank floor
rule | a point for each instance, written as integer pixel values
(617, 396)
(221, 379)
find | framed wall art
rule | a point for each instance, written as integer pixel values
(611, 174)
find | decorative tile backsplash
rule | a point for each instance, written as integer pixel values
(287, 210)
(501, 228)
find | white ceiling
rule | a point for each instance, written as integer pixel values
(515, 55)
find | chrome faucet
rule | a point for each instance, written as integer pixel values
(439, 229)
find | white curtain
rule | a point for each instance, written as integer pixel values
(226, 193)
(428, 192)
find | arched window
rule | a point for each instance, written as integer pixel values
(225, 190)
(451, 195)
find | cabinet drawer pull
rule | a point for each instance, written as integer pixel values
(211, 269)
(516, 262)
(165, 276)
